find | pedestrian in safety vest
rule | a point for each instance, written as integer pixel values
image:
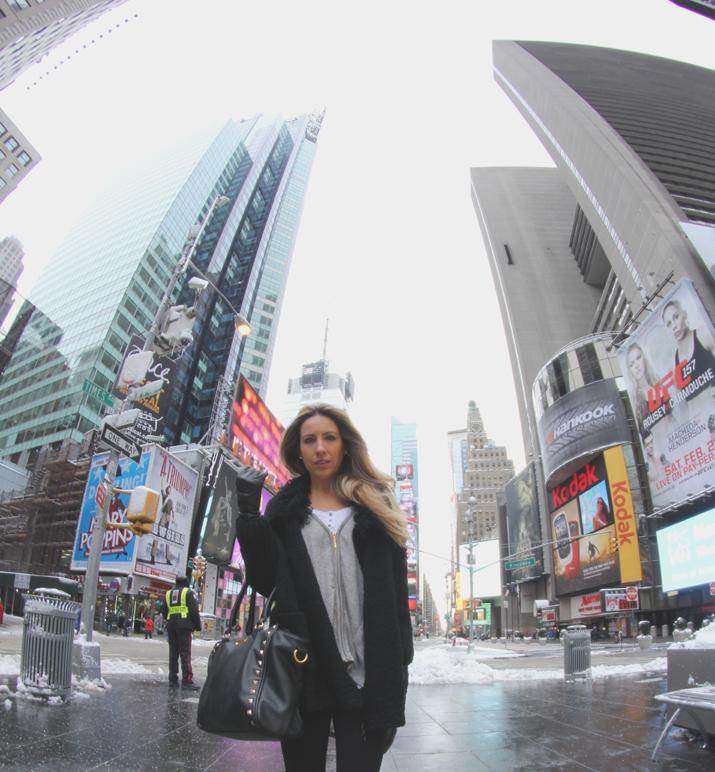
(181, 612)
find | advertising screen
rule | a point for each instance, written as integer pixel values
(119, 543)
(486, 576)
(219, 530)
(669, 367)
(163, 553)
(255, 435)
(593, 526)
(582, 422)
(404, 471)
(687, 552)
(148, 376)
(522, 522)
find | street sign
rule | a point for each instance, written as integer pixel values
(94, 391)
(512, 565)
(632, 593)
(120, 442)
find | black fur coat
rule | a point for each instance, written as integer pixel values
(275, 554)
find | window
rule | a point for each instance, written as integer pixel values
(2, 183)
(18, 4)
(3, 129)
(11, 143)
(12, 170)
(23, 158)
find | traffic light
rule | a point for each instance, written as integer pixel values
(141, 511)
(614, 542)
(199, 568)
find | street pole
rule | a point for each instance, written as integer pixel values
(89, 598)
(471, 593)
(95, 551)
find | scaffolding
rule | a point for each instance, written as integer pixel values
(37, 529)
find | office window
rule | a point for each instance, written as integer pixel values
(23, 158)
(12, 170)
(11, 143)
(18, 4)
(2, 129)
(2, 183)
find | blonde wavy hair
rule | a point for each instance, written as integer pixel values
(357, 480)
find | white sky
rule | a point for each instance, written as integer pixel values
(389, 247)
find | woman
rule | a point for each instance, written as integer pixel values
(602, 516)
(333, 544)
(641, 380)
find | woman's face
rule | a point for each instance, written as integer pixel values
(676, 322)
(636, 363)
(321, 447)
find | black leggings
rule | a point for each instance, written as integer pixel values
(354, 753)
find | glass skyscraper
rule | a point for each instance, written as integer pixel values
(106, 280)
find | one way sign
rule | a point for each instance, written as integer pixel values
(120, 442)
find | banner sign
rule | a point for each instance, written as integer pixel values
(619, 599)
(163, 553)
(145, 376)
(686, 552)
(669, 367)
(255, 435)
(593, 526)
(219, 511)
(582, 422)
(523, 526)
(119, 543)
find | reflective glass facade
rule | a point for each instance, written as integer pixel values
(105, 282)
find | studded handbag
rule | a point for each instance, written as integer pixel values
(252, 689)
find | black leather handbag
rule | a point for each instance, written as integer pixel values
(252, 689)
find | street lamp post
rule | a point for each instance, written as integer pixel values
(97, 539)
(472, 502)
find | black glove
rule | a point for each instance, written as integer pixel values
(249, 483)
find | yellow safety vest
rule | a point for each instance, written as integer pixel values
(181, 607)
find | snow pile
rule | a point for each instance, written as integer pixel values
(702, 639)
(442, 666)
(115, 666)
(83, 685)
(481, 652)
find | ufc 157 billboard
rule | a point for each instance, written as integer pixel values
(593, 526)
(669, 368)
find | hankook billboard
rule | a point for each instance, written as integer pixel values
(582, 422)
(669, 367)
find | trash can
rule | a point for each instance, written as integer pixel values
(47, 636)
(577, 653)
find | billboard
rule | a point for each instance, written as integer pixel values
(486, 577)
(669, 368)
(163, 553)
(219, 529)
(255, 435)
(523, 524)
(582, 422)
(687, 552)
(404, 471)
(146, 377)
(119, 544)
(593, 526)
(619, 599)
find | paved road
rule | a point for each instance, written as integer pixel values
(140, 724)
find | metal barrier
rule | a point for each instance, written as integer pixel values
(47, 636)
(577, 653)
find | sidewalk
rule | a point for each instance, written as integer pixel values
(141, 724)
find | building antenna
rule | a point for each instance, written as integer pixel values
(325, 341)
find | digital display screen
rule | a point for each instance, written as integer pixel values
(687, 552)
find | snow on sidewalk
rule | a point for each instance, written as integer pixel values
(444, 666)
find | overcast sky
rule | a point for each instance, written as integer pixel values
(389, 248)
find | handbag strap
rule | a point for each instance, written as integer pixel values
(250, 624)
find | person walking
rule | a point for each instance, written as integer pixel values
(148, 627)
(121, 623)
(333, 545)
(181, 611)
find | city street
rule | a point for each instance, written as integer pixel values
(520, 715)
